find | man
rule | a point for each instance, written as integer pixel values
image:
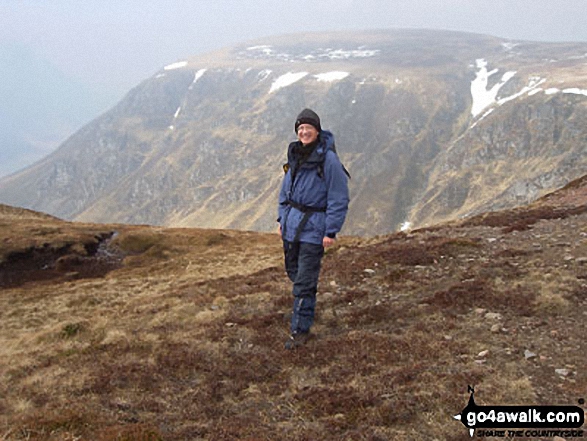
(313, 204)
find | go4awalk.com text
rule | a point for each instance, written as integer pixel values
(522, 421)
(536, 433)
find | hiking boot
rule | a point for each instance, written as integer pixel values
(296, 340)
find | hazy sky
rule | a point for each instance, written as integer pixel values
(116, 44)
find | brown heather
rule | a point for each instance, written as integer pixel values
(177, 334)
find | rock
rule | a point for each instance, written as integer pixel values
(369, 271)
(493, 316)
(528, 355)
(496, 328)
(568, 258)
(581, 260)
(326, 294)
(333, 283)
(483, 354)
(480, 311)
(562, 372)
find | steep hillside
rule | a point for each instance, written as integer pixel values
(183, 339)
(432, 125)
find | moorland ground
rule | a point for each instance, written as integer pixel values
(117, 332)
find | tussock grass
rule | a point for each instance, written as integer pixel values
(184, 339)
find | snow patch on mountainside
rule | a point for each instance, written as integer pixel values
(319, 54)
(177, 65)
(509, 46)
(341, 54)
(266, 49)
(264, 74)
(576, 91)
(329, 77)
(530, 89)
(199, 74)
(406, 226)
(286, 80)
(483, 98)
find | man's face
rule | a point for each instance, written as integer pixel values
(307, 133)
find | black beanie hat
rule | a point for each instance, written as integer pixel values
(308, 116)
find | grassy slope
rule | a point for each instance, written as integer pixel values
(185, 339)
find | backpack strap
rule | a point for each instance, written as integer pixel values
(346, 172)
(308, 211)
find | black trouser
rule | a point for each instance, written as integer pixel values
(302, 263)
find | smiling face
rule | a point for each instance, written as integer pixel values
(307, 134)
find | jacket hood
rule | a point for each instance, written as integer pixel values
(326, 142)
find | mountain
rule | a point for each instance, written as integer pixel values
(41, 107)
(113, 332)
(432, 125)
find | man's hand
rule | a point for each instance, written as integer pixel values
(328, 242)
(279, 230)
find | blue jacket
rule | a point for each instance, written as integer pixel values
(323, 187)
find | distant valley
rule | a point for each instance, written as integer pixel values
(41, 107)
